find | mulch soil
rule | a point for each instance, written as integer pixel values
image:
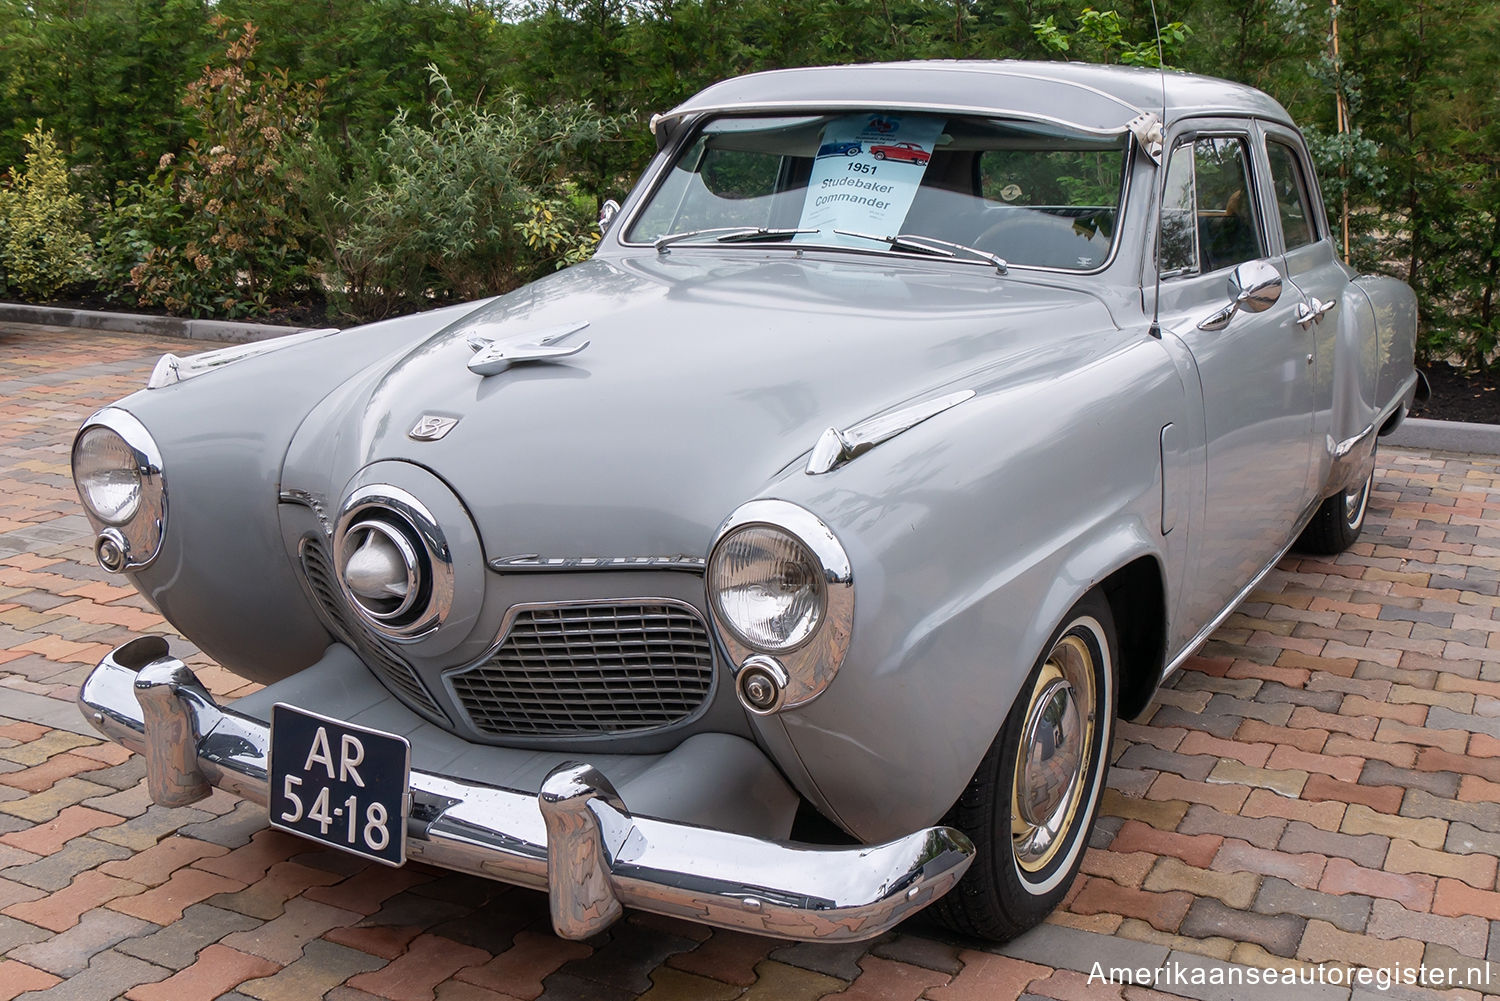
(1460, 396)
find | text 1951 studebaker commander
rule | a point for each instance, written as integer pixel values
(873, 489)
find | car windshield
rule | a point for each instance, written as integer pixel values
(1027, 194)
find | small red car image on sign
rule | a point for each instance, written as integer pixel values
(909, 152)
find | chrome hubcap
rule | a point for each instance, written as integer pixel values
(1057, 742)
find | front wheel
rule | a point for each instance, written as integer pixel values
(1339, 519)
(1031, 803)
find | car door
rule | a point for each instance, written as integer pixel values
(1318, 278)
(1255, 369)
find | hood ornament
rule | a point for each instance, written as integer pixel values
(491, 357)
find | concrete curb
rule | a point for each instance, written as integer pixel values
(1446, 436)
(222, 331)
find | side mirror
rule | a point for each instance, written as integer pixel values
(607, 213)
(1254, 286)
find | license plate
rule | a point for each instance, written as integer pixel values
(339, 784)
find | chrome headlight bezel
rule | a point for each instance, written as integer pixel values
(129, 541)
(809, 662)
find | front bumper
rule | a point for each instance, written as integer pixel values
(575, 839)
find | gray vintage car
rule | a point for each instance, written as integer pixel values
(785, 566)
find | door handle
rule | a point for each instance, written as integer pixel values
(1312, 312)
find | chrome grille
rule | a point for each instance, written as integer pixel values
(589, 669)
(391, 669)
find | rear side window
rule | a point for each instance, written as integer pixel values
(1209, 220)
(1292, 203)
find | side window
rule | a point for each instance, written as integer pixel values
(1292, 203)
(1208, 215)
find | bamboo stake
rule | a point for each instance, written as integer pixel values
(1343, 124)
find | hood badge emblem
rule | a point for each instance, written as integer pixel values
(431, 427)
(491, 357)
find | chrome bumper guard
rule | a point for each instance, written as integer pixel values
(575, 840)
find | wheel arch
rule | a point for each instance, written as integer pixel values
(1137, 599)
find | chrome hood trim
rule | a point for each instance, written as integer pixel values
(171, 369)
(576, 839)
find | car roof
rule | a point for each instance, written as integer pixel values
(1091, 98)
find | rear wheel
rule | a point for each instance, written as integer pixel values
(1339, 519)
(1031, 803)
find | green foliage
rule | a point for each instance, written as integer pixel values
(1099, 36)
(43, 247)
(238, 243)
(476, 201)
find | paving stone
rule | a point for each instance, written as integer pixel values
(1287, 783)
(836, 960)
(68, 953)
(565, 987)
(55, 871)
(366, 890)
(494, 925)
(1067, 948)
(1455, 898)
(1323, 943)
(917, 950)
(521, 970)
(1162, 909)
(407, 908)
(883, 980)
(1472, 973)
(1190, 976)
(1304, 869)
(1442, 718)
(630, 953)
(51, 834)
(1349, 912)
(413, 975)
(165, 904)
(1420, 804)
(1476, 870)
(731, 956)
(1277, 934)
(143, 832)
(986, 976)
(1380, 773)
(1467, 934)
(217, 970)
(1273, 691)
(1144, 756)
(60, 910)
(668, 984)
(1466, 839)
(1219, 725)
(19, 978)
(323, 967)
(282, 940)
(232, 830)
(177, 944)
(1264, 832)
(1163, 815)
(266, 898)
(109, 975)
(14, 932)
(1368, 850)
(1414, 892)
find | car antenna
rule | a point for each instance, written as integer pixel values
(1161, 72)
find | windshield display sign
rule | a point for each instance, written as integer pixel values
(867, 172)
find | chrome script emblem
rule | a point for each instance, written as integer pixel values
(430, 427)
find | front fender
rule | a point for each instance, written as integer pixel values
(222, 577)
(970, 537)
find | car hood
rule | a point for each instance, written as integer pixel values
(705, 376)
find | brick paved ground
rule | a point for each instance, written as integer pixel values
(1321, 785)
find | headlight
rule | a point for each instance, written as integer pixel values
(117, 468)
(767, 587)
(108, 476)
(781, 595)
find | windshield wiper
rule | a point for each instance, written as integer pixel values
(918, 243)
(730, 234)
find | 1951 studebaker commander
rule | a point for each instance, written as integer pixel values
(835, 493)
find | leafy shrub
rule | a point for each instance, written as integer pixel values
(238, 241)
(473, 203)
(43, 247)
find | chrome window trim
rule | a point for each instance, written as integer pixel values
(811, 666)
(1254, 194)
(144, 531)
